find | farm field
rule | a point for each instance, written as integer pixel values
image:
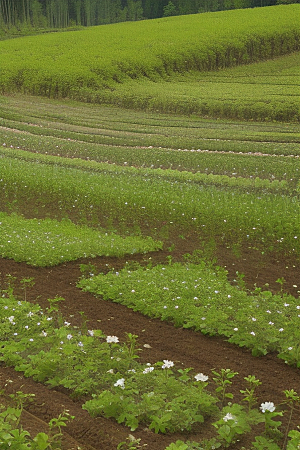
(44, 142)
(150, 236)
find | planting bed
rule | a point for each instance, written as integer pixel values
(185, 347)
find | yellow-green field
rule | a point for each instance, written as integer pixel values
(170, 64)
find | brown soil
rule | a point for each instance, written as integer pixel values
(185, 347)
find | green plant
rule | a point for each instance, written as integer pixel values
(249, 392)
(223, 380)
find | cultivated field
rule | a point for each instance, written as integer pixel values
(150, 261)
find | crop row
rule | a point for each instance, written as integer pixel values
(194, 296)
(44, 346)
(49, 242)
(74, 64)
(251, 183)
(127, 200)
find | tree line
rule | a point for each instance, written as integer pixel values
(66, 13)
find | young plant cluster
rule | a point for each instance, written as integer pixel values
(50, 242)
(158, 395)
(199, 297)
(124, 200)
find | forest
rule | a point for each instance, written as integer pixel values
(43, 14)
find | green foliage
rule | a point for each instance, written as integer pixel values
(124, 200)
(49, 242)
(202, 42)
(14, 437)
(199, 297)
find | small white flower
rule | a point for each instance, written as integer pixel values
(252, 332)
(167, 364)
(112, 339)
(148, 369)
(80, 344)
(43, 333)
(280, 329)
(253, 318)
(11, 319)
(69, 336)
(67, 323)
(110, 371)
(91, 332)
(229, 416)
(31, 340)
(30, 314)
(235, 329)
(271, 323)
(267, 406)
(201, 377)
(121, 383)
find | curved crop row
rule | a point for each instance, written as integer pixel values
(71, 64)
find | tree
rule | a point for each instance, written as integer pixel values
(170, 9)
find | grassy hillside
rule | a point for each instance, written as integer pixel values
(132, 64)
(267, 90)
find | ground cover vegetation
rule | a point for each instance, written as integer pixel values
(81, 180)
(150, 195)
(49, 242)
(103, 71)
(44, 346)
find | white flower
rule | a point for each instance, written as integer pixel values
(121, 383)
(80, 344)
(253, 318)
(148, 369)
(43, 333)
(252, 332)
(67, 324)
(69, 336)
(30, 314)
(112, 339)
(235, 329)
(167, 364)
(91, 332)
(229, 416)
(201, 377)
(11, 319)
(267, 406)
